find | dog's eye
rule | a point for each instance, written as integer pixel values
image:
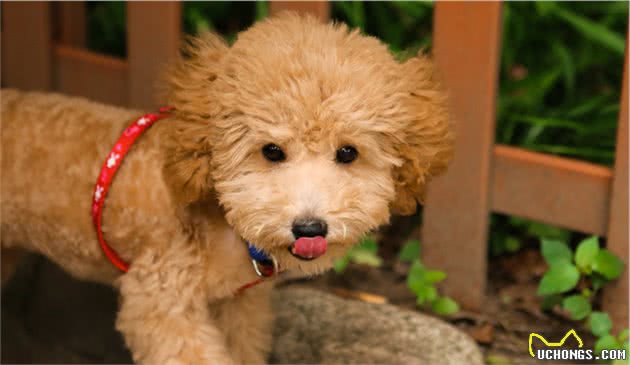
(273, 153)
(346, 154)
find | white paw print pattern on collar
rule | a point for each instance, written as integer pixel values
(113, 158)
(108, 170)
(97, 193)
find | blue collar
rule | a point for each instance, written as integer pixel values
(258, 255)
(264, 265)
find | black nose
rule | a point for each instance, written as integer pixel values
(309, 227)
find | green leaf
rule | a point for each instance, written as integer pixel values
(434, 276)
(587, 106)
(556, 252)
(426, 294)
(415, 277)
(577, 306)
(593, 30)
(546, 231)
(586, 253)
(354, 11)
(416, 284)
(340, 264)
(368, 243)
(598, 281)
(262, 10)
(568, 66)
(607, 264)
(410, 251)
(417, 269)
(560, 278)
(518, 221)
(445, 306)
(540, 229)
(551, 301)
(366, 257)
(416, 9)
(512, 244)
(607, 342)
(544, 8)
(600, 323)
(623, 335)
(419, 276)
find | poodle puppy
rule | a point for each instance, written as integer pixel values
(298, 139)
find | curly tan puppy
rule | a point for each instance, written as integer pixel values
(299, 139)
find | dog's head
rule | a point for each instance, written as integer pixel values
(309, 135)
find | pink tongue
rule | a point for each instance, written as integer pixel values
(310, 247)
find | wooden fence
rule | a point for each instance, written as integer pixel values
(484, 177)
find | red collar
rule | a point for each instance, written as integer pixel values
(105, 178)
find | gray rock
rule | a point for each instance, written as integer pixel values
(313, 327)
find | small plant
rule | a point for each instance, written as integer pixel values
(572, 281)
(601, 326)
(365, 253)
(422, 281)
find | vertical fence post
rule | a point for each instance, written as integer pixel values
(455, 219)
(616, 296)
(153, 38)
(321, 9)
(73, 26)
(26, 45)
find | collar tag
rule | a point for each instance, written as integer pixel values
(265, 265)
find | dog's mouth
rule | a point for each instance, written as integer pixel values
(308, 248)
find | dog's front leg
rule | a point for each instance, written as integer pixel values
(164, 314)
(246, 321)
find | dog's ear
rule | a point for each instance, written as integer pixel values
(427, 136)
(187, 86)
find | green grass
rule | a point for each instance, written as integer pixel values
(106, 27)
(560, 78)
(404, 25)
(224, 17)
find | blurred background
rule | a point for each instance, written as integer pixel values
(558, 78)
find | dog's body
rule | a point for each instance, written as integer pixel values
(195, 186)
(52, 150)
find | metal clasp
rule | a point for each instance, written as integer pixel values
(260, 270)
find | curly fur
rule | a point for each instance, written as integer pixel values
(196, 185)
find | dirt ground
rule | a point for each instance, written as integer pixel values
(47, 317)
(502, 327)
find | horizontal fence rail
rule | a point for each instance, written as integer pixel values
(568, 193)
(84, 73)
